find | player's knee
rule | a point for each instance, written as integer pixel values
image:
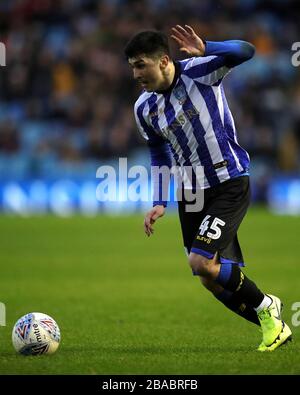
(211, 285)
(200, 265)
(207, 282)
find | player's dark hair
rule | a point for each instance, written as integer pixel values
(150, 43)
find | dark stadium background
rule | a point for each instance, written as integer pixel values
(67, 95)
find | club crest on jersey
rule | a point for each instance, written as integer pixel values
(180, 94)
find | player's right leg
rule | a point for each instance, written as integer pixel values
(190, 223)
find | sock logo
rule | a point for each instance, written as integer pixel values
(241, 282)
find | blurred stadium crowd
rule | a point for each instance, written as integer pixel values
(67, 94)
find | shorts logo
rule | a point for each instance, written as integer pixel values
(205, 239)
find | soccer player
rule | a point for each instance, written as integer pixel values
(182, 112)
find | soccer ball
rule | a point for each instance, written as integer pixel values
(36, 334)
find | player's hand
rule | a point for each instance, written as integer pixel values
(152, 215)
(188, 40)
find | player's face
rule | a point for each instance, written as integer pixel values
(149, 72)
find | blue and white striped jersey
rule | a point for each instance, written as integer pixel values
(194, 120)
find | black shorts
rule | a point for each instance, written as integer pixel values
(214, 228)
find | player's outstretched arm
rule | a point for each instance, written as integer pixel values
(188, 41)
(152, 215)
(233, 52)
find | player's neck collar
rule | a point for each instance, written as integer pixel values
(176, 75)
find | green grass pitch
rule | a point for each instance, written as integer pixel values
(128, 304)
